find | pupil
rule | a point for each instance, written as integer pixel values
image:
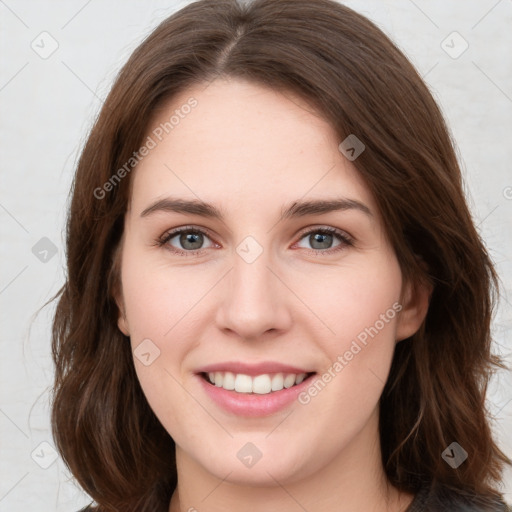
(196, 239)
(321, 238)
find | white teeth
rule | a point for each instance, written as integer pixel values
(219, 378)
(243, 383)
(289, 380)
(277, 382)
(261, 384)
(229, 381)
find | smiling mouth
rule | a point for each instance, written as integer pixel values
(263, 384)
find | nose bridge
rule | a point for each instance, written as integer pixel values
(253, 301)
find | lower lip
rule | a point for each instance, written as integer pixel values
(253, 404)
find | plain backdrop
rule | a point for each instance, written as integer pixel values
(58, 60)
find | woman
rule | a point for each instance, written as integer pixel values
(276, 297)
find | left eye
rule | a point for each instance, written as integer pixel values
(322, 239)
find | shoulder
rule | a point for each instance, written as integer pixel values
(435, 497)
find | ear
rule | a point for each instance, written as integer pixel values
(122, 321)
(115, 290)
(414, 300)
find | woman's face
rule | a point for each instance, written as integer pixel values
(262, 288)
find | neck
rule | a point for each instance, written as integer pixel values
(354, 480)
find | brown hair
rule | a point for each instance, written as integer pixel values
(343, 65)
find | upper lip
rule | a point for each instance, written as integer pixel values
(252, 368)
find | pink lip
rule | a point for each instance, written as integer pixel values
(252, 369)
(252, 404)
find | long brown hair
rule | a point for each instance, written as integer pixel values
(344, 66)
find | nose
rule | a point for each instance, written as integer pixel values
(254, 300)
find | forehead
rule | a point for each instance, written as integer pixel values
(243, 145)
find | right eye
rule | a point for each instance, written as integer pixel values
(186, 241)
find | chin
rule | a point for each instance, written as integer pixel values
(243, 463)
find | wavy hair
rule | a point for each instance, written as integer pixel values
(361, 83)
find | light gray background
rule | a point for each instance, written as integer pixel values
(47, 107)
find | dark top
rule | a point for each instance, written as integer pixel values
(433, 499)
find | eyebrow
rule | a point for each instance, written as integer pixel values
(294, 210)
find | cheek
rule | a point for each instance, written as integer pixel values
(354, 301)
(163, 305)
(360, 306)
(159, 298)
(158, 304)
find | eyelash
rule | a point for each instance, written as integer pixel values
(344, 238)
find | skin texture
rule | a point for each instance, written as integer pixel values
(252, 151)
